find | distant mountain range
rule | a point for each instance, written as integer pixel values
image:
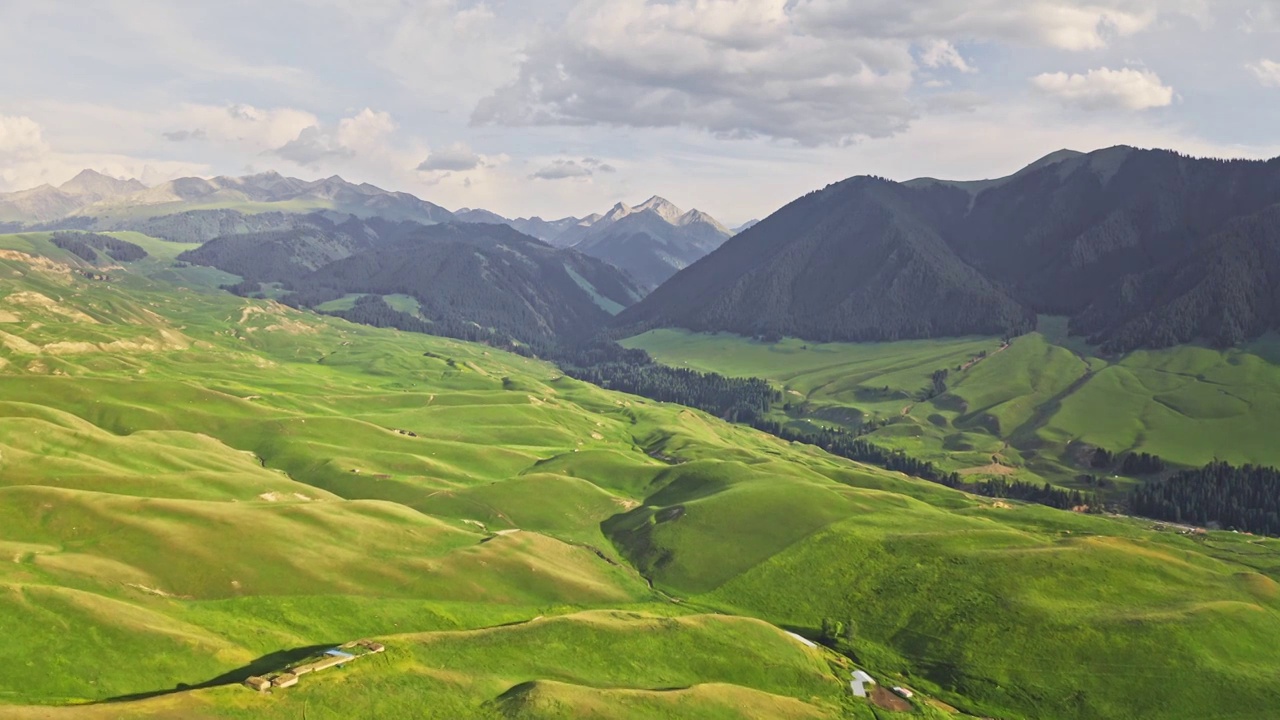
(650, 241)
(95, 201)
(47, 203)
(1140, 248)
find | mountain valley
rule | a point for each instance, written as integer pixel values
(415, 428)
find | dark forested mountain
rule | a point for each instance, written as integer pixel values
(487, 276)
(287, 254)
(859, 262)
(490, 275)
(1141, 248)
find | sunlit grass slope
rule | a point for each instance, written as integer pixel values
(195, 487)
(1030, 407)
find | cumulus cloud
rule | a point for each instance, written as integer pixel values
(457, 157)
(311, 147)
(571, 169)
(813, 71)
(27, 159)
(21, 139)
(741, 68)
(598, 165)
(1106, 89)
(942, 54)
(1267, 72)
(242, 126)
(366, 133)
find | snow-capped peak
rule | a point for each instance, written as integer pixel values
(697, 216)
(617, 212)
(664, 208)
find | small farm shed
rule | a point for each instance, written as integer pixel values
(257, 683)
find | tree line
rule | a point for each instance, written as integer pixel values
(1131, 464)
(86, 246)
(1235, 498)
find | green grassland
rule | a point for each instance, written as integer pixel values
(195, 487)
(1036, 407)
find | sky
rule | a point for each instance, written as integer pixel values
(564, 107)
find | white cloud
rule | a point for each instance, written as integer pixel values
(367, 132)
(1106, 89)
(818, 72)
(1063, 24)
(1263, 18)
(28, 160)
(563, 169)
(942, 54)
(740, 68)
(366, 135)
(457, 157)
(21, 140)
(1267, 72)
(447, 53)
(241, 126)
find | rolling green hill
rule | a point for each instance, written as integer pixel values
(1033, 410)
(198, 487)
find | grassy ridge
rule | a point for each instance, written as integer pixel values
(195, 486)
(1030, 406)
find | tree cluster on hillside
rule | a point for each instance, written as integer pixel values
(1046, 494)
(1236, 498)
(1136, 464)
(611, 366)
(87, 245)
(1102, 458)
(1130, 464)
(937, 385)
(846, 444)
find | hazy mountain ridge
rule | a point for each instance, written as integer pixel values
(1141, 248)
(650, 241)
(47, 203)
(95, 201)
(489, 276)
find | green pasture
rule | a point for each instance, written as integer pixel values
(1037, 407)
(196, 486)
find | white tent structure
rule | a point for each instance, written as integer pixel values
(860, 682)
